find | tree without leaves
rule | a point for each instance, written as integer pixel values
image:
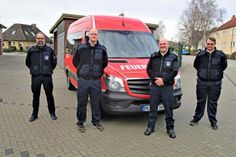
(198, 19)
(159, 32)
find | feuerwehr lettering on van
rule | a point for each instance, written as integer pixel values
(133, 67)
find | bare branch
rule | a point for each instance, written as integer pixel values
(198, 19)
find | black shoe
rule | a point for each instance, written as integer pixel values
(81, 127)
(214, 126)
(32, 118)
(171, 133)
(53, 116)
(98, 126)
(193, 122)
(148, 131)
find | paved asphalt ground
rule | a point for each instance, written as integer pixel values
(123, 135)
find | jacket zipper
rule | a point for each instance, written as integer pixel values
(40, 62)
(91, 63)
(209, 67)
(160, 71)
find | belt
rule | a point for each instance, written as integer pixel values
(80, 78)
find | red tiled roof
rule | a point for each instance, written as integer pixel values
(229, 24)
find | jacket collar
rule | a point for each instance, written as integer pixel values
(207, 52)
(160, 55)
(90, 44)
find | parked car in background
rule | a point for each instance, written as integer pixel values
(185, 52)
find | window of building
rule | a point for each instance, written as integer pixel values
(224, 33)
(33, 34)
(233, 31)
(26, 33)
(13, 32)
(20, 46)
(232, 43)
(223, 44)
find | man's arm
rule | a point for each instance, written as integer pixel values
(105, 59)
(224, 62)
(28, 58)
(149, 70)
(53, 59)
(76, 58)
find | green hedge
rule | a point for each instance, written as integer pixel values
(233, 55)
(10, 49)
(7, 50)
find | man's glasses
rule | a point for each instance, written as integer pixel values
(210, 44)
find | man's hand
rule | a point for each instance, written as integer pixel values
(159, 81)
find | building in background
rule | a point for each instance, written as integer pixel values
(1, 38)
(226, 36)
(20, 37)
(59, 31)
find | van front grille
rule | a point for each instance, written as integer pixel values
(139, 86)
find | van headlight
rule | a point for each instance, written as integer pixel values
(177, 82)
(114, 83)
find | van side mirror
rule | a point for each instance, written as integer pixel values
(68, 50)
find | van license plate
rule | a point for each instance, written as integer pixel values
(146, 107)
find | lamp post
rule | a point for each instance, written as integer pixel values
(180, 47)
(232, 41)
(180, 53)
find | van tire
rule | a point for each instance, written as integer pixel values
(104, 114)
(70, 86)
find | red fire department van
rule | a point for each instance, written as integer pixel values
(129, 43)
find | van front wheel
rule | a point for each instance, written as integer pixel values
(104, 114)
(70, 86)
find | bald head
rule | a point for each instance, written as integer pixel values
(164, 46)
(93, 36)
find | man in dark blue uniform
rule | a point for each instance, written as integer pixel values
(90, 60)
(210, 65)
(162, 68)
(41, 60)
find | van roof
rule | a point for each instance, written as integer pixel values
(102, 22)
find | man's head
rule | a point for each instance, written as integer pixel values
(93, 36)
(163, 45)
(210, 44)
(40, 39)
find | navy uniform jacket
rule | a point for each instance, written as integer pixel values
(210, 67)
(166, 67)
(41, 61)
(90, 61)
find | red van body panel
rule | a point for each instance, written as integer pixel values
(108, 23)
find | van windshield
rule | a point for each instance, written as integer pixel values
(128, 44)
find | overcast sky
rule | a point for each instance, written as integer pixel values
(45, 13)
